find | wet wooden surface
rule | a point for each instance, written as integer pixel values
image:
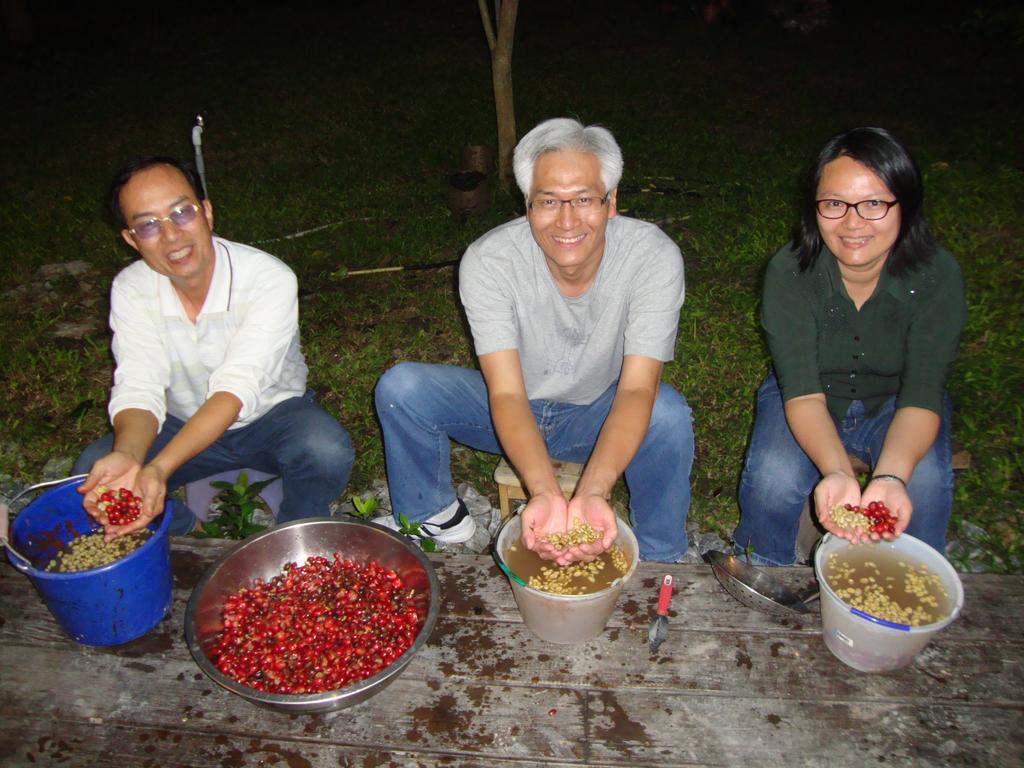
(728, 687)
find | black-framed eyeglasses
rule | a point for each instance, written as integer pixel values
(181, 216)
(872, 210)
(549, 206)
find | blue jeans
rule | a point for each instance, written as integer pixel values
(778, 477)
(295, 439)
(422, 406)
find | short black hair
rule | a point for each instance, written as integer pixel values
(124, 175)
(891, 161)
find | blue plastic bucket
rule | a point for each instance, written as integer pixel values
(113, 604)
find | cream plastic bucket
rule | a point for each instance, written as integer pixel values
(567, 619)
(865, 642)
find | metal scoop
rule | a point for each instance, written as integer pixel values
(757, 589)
(658, 630)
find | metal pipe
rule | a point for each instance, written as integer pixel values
(197, 146)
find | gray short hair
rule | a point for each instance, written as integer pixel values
(563, 133)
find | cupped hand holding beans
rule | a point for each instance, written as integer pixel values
(596, 513)
(837, 489)
(545, 514)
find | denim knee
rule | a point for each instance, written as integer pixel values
(771, 478)
(325, 448)
(671, 416)
(332, 451)
(668, 447)
(399, 384)
(931, 493)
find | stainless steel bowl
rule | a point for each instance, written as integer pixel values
(264, 556)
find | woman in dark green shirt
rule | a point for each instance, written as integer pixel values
(863, 313)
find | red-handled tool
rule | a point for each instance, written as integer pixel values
(658, 630)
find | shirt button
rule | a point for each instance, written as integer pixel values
(853, 390)
(856, 338)
(855, 357)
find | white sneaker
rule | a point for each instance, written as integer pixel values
(445, 527)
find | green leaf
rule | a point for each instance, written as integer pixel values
(364, 508)
(259, 485)
(211, 530)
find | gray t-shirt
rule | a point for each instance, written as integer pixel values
(571, 349)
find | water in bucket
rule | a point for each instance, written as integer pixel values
(109, 605)
(871, 644)
(567, 619)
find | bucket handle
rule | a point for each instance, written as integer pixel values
(46, 484)
(25, 563)
(880, 622)
(4, 510)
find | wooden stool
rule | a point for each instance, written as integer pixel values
(510, 487)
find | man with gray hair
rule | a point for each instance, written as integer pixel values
(573, 309)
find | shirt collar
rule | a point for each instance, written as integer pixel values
(218, 298)
(897, 287)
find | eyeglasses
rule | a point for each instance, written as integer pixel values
(872, 210)
(552, 206)
(181, 216)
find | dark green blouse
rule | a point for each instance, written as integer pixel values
(901, 342)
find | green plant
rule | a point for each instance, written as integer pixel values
(363, 508)
(748, 551)
(238, 502)
(408, 528)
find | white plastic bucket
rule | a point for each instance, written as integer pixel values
(567, 619)
(868, 643)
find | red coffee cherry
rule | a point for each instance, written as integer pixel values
(121, 505)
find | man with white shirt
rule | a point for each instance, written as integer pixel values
(573, 311)
(209, 372)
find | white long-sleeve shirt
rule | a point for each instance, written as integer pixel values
(245, 339)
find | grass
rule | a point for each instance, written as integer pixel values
(354, 117)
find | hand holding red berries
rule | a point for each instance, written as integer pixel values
(893, 495)
(119, 470)
(115, 470)
(119, 505)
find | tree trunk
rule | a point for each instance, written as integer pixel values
(501, 79)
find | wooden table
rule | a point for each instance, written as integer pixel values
(728, 687)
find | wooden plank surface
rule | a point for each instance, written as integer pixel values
(728, 686)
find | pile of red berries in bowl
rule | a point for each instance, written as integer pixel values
(314, 615)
